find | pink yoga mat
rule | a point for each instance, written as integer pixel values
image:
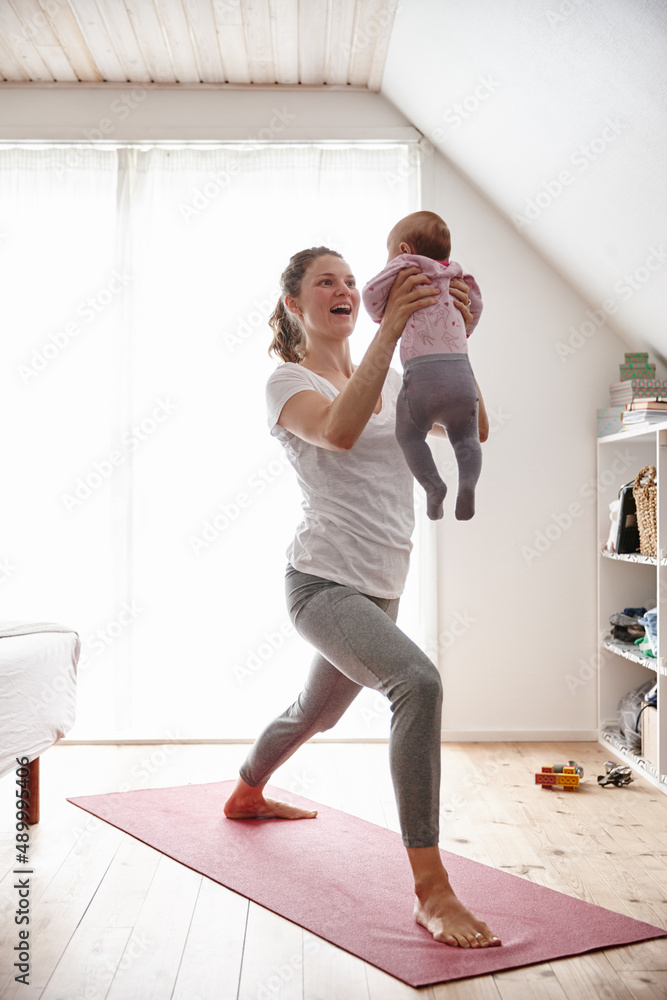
(349, 881)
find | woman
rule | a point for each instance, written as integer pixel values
(349, 559)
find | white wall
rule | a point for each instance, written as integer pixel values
(517, 625)
(142, 112)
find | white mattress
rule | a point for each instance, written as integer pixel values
(38, 663)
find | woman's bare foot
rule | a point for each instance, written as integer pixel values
(247, 802)
(439, 910)
(444, 915)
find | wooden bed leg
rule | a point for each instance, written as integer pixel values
(33, 788)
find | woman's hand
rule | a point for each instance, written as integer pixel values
(483, 419)
(459, 290)
(408, 293)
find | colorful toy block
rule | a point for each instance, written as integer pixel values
(567, 779)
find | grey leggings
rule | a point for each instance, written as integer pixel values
(360, 645)
(440, 388)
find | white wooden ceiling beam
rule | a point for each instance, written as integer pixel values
(203, 30)
(261, 62)
(284, 17)
(11, 67)
(20, 44)
(148, 28)
(275, 88)
(313, 37)
(231, 40)
(307, 43)
(121, 34)
(37, 31)
(67, 31)
(102, 51)
(385, 25)
(176, 30)
(370, 15)
(56, 59)
(340, 42)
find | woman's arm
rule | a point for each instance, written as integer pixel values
(337, 424)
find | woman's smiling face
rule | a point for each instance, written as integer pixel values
(329, 298)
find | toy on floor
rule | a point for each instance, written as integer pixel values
(565, 776)
(617, 774)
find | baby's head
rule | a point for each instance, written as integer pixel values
(423, 233)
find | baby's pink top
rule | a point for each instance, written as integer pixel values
(437, 329)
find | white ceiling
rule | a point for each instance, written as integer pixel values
(553, 109)
(521, 93)
(312, 42)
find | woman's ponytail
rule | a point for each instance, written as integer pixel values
(288, 334)
(287, 340)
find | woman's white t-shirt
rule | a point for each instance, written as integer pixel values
(358, 505)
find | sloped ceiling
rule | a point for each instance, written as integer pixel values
(556, 111)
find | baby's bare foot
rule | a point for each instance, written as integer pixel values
(448, 920)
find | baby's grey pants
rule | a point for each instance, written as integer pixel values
(440, 388)
(360, 645)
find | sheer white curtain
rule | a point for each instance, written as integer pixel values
(59, 383)
(145, 502)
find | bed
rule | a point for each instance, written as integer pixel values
(38, 666)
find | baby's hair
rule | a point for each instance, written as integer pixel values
(426, 233)
(288, 339)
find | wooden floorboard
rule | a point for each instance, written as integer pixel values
(113, 919)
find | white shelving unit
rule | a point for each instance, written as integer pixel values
(631, 581)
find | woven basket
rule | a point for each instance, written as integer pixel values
(646, 496)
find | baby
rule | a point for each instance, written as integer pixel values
(438, 381)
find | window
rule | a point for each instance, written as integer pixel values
(148, 506)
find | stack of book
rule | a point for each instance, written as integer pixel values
(651, 410)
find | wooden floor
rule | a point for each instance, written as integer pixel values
(113, 919)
